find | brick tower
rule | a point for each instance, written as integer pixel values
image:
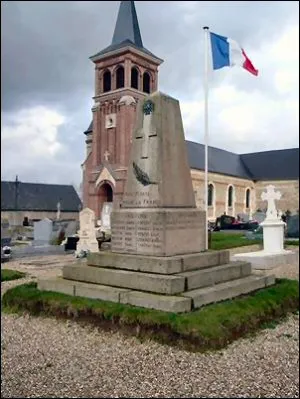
(125, 72)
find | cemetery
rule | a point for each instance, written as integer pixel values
(151, 268)
(157, 262)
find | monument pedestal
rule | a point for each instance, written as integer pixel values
(158, 232)
(273, 236)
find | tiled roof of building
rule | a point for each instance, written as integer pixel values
(269, 165)
(38, 197)
(266, 165)
(127, 31)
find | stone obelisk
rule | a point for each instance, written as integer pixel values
(158, 215)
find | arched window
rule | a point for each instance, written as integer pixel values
(210, 195)
(134, 78)
(230, 196)
(146, 82)
(120, 77)
(106, 81)
(248, 198)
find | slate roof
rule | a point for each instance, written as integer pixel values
(38, 197)
(219, 161)
(127, 31)
(266, 165)
(273, 165)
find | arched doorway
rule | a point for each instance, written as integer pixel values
(106, 193)
(105, 204)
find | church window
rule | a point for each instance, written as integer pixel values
(248, 198)
(230, 196)
(134, 78)
(146, 82)
(106, 81)
(210, 198)
(120, 77)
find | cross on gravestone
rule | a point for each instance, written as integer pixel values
(58, 211)
(270, 196)
(106, 155)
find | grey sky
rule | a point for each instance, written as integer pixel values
(46, 74)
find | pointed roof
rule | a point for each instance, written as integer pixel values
(127, 26)
(127, 32)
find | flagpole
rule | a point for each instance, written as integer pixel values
(206, 66)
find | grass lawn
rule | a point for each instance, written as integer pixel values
(211, 327)
(221, 240)
(8, 274)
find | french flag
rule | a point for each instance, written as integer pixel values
(227, 52)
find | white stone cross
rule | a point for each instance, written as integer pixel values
(106, 155)
(145, 133)
(58, 211)
(271, 195)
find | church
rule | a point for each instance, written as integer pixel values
(125, 73)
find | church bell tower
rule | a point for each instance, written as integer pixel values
(125, 72)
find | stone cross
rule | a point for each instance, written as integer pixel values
(271, 195)
(106, 155)
(58, 211)
(146, 133)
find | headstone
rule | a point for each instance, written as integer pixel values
(259, 216)
(158, 214)
(71, 228)
(58, 211)
(42, 233)
(105, 216)
(4, 224)
(87, 232)
(244, 217)
(293, 226)
(273, 226)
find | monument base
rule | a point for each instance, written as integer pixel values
(265, 260)
(158, 232)
(173, 284)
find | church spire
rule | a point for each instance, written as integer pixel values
(127, 25)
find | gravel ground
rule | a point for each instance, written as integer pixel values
(43, 357)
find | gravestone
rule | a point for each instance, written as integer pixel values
(87, 232)
(244, 217)
(158, 258)
(293, 226)
(42, 233)
(71, 228)
(273, 252)
(259, 216)
(105, 216)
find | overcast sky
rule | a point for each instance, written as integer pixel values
(47, 79)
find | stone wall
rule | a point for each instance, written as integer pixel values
(221, 185)
(15, 218)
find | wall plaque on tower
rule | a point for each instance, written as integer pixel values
(110, 121)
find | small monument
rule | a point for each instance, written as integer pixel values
(87, 232)
(158, 215)
(105, 216)
(43, 232)
(58, 211)
(273, 252)
(158, 258)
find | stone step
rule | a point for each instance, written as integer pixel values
(163, 284)
(158, 264)
(214, 275)
(175, 304)
(87, 290)
(228, 290)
